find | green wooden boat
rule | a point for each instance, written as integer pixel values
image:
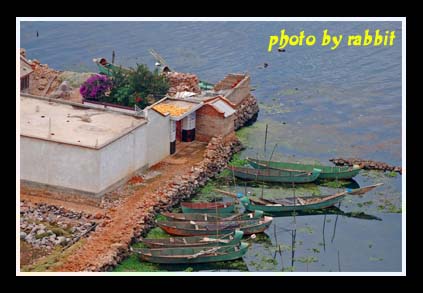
(190, 255)
(328, 172)
(195, 228)
(275, 175)
(107, 68)
(231, 238)
(300, 203)
(207, 207)
(204, 85)
(211, 217)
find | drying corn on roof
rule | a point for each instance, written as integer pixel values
(173, 110)
(176, 108)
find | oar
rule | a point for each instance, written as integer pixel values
(363, 190)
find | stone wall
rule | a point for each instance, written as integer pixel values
(217, 155)
(246, 112)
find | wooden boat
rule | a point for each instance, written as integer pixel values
(189, 255)
(231, 238)
(300, 203)
(275, 175)
(207, 207)
(194, 228)
(211, 217)
(107, 68)
(204, 85)
(328, 172)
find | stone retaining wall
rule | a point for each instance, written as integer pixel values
(247, 112)
(218, 153)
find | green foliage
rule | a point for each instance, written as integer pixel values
(139, 87)
(236, 161)
(157, 233)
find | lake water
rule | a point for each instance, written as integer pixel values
(318, 104)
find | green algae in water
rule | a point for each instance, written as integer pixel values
(276, 108)
(364, 204)
(336, 184)
(134, 264)
(306, 229)
(389, 207)
(392, 174)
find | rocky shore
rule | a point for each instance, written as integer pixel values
(216, 157)
(366, 164)
(247, 112)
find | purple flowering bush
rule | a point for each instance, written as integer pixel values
(95, 87)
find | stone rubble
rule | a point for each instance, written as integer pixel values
(247, 112)
(46, 226)
(366, 164)
(180, 82)
(216, 157)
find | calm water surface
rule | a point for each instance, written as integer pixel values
(317, 103)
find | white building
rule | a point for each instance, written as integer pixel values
(71, 147)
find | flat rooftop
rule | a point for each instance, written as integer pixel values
(92, 128)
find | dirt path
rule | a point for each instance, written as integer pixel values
(116, 233)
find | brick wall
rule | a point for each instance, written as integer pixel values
(211, 123)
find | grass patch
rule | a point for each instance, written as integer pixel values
(157, 233)
(53, 260)
(42, 235)
(134, 264)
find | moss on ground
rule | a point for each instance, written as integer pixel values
(53, 260)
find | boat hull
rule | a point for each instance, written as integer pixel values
(327, 172)
(281, 208)
(274, 175)
(185, 255)
(204, 228)
(208, 208)
(232, 238)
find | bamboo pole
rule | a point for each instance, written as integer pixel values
(265, 140)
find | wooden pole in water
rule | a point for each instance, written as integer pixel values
(324, 241)
(271, 155)
(113, 57)
(265, 141)
(295, 202)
